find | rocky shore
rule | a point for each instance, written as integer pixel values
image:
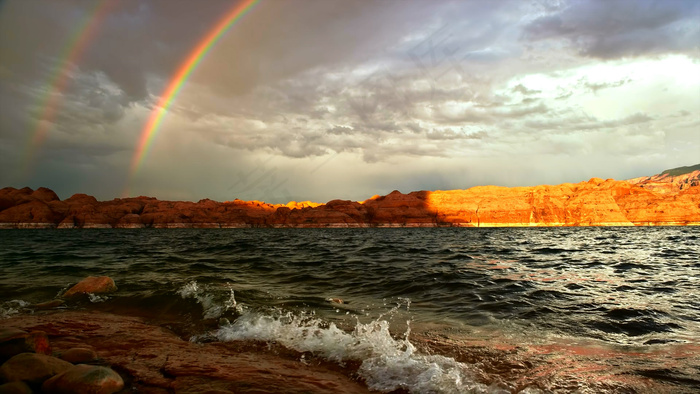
(124, 354)
(663, 199)
(60, 351)
(62, 348)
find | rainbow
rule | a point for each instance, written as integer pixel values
(183, 72)
(72, 51)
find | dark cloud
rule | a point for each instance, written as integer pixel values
(408, 89)
(611, 29)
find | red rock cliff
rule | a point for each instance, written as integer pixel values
(664, 199)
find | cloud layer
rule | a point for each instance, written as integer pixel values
(311, 99)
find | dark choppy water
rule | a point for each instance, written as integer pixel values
(489, 310)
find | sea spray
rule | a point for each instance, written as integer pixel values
(12, 307)
(94, 298)
(213, 306)
(387, 363)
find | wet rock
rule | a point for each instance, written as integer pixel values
(10, 333)
(78, 355)
(15, 388)
(92, 284)
(153, 359)
(84, 379)
(32, 368)
(14, 342)
(38, 342)
(49, 304)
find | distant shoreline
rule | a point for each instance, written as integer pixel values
(51, 226)
(659, 200)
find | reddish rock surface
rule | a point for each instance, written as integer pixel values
(49, 304)
(14, 342)
(32, 368)
(15, 388)
(92, 284)
(670, 181)
(84, 379)
(154, 360)
(671, 198)
(78, 355)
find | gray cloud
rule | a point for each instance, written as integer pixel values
(611, 29)
(390, 94)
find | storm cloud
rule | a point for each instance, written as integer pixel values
(322, 99)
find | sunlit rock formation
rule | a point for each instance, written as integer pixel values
(669, 198)
(670, 181)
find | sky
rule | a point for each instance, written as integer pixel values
(333, 99)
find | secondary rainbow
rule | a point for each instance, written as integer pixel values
(181, 75)
(49, 104)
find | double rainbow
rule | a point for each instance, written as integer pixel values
(49, 104)
(183, 72)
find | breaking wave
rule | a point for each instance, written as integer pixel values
(387, 362)
(213, 305)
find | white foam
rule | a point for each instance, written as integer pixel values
(94, 298)
(12, 307)
(212, 308)
(386, 363)
(189, 290)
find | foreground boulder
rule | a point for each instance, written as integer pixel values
(15, 388)
(78, 355)
(32, 368)
(84, 379)
(14, 342)
(92, 284)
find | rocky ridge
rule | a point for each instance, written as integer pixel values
(664, 199)
(670, 181)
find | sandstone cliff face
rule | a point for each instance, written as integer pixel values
(666, 183)
(594, 203)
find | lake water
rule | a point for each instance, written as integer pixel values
(530, 310)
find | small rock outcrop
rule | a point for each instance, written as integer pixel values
(49, 304)
(92, 284)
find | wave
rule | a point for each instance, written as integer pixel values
(387, 363)
(213, 307)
